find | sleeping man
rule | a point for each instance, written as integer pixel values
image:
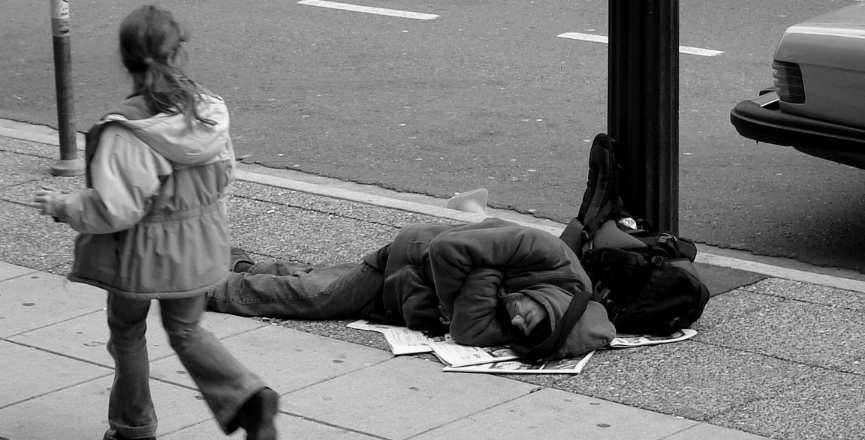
(487, 284)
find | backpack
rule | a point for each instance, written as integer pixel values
(646, 280)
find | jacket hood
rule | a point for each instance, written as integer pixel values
(188, 144)
(592, 331)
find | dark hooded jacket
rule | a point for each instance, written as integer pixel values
(455, 278)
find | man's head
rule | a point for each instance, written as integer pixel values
(525, 312)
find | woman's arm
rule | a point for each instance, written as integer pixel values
(125, 176)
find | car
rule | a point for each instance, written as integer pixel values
(817, 104)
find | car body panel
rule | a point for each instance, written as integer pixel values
(830, 124)
(830, 51)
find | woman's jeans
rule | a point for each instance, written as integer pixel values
(300, 291)
(223, 381)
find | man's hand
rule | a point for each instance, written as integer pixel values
(47, 201)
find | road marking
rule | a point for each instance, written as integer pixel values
(604, 39)
(368, 9)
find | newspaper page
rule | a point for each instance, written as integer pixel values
(405, 341)
(400, 339)
(560, 366)
(455, 355)
(628, 341)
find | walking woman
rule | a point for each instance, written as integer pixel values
(153, 225)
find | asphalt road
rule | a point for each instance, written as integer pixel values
(485, 95)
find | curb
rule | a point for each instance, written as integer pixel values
(334, 188)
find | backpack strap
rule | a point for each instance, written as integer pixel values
(601, 200)
(134, 107)
(560, 335)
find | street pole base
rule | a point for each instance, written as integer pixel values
(68, 167)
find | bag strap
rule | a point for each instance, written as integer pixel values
(574, 237)
(601, 200)
(559, 336)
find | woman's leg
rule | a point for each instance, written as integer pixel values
(130, 408)
(225, 383)
(298, 291)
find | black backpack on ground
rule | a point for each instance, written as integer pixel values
(647, 280)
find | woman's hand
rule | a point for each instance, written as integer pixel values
(47, 201)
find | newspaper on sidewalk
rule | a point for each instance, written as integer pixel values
(405, 341)
(559, 366)
(628, 341)
(462, 358)
(400, 339)
(455, 355)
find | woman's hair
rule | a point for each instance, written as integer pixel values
(151, 48)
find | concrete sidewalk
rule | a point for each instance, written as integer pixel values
(778, 353)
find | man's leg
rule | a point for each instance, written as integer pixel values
(298, 291)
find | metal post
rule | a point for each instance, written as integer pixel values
(643, 106)
(69, 163)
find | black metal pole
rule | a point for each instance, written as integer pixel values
(69, 163)
(643, 106)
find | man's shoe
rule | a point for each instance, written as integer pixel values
(114, 435)
(257, 415)
(240, 261)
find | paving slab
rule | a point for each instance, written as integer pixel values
(706, 431)
(688, 379)
(85, 337)
(401, 398)
(40, 299)
(33, 240)
(24, 192)
(735, 304)
(301, 235)
(287, 426)
(327, 205)
(39, 147)
(9, 271)
(558, 414)
(827, 405)
(286, 359)
(811, 293)
(29, 372)
(18, 168)
(80, 412)
(723, 279)
(802, 332)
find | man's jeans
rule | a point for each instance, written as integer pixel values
(223, 381)
(300, 291)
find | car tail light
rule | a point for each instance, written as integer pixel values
(788, 82)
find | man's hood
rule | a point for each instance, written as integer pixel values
(592, 331)
(188, 144)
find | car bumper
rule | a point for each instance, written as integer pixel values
(762, 120)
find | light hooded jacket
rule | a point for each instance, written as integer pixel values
(153, 221)
(460, 276)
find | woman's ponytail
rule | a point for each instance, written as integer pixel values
(151, 48)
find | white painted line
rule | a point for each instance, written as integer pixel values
(368, 9)
(699, 51)
(585, 37)
(604, 39)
